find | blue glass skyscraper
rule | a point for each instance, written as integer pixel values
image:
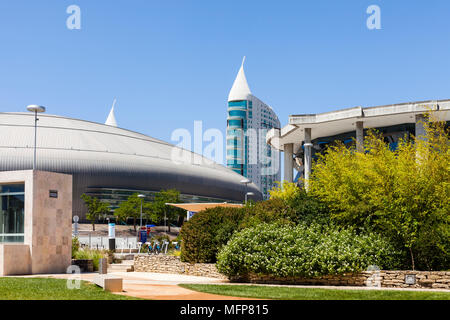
(248, 121)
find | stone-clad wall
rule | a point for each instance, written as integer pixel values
(387, 279)
(47, 245)
(172, 264)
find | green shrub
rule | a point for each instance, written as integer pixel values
(303, 251)
(206, 232)
(298, 208)
(203, 236)
(75, 246)
(89, 254)
(402, 193)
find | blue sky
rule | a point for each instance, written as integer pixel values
(169, 63)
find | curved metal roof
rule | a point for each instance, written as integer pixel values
(76, 146)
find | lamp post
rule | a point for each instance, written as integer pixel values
(36, 109)
(248, 194)
(246, 182)
(141, 196)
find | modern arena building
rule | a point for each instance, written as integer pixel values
(112, 163)
(307, 135)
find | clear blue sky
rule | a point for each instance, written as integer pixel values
(172, 62)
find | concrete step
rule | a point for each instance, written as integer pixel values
(120, 268)
(109, 283)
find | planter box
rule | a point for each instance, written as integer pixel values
(85, 265)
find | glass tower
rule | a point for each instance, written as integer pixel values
(248, 121)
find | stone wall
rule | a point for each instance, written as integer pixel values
(15, 259)
(47, 246)
(172, 264)
(386, 279)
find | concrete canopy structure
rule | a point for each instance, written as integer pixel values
(197, 207)
(307, 133)
(112, 163)
(192, 208)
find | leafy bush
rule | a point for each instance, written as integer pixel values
(89, 254)
(402, 194)
(75, 246)
(206, 232)
(304, 251)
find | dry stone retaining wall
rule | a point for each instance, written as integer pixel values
(173, 264)
(387, 279)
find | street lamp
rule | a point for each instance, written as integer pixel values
(248, 194)
(141, 196)
(36, 109)
(246, 182)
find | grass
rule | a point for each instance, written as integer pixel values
(52, 289)
(292, 293)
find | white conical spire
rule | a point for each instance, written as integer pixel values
(240, 89)
(111, 121)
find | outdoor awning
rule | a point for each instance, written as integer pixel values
(197, 207)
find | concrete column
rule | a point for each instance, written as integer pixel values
(308, 156)
(289, 162)
(420, 129)
(360, 136)
(420, 135)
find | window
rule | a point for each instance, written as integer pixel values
(242, 103)
(12, 212)
(237, 113)
(236, 123)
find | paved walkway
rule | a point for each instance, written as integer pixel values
(155, 286)
(160, 286)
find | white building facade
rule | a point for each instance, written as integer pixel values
(249, 119)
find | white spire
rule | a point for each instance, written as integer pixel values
(111, 121)
(240, 89)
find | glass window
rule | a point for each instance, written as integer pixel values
(242, 103)
(236, 123)
(237, 113)
(12, 199)
(234, 133)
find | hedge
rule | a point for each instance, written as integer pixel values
(209, 230)
(205, 234)
(303, 251)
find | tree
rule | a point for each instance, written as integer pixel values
(95, 208)
(131, 208)
(285, 191)
(400, 193)
(160, 210)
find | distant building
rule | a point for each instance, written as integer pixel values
(308, 135)
(249, 119)
(112, 163)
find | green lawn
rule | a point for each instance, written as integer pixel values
(51, 289)
(290, 293)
